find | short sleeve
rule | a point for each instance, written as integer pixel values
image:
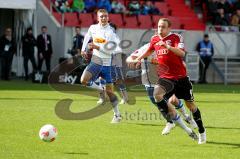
(141, 50)
(179, 42)
(87, 38)
(135, 53)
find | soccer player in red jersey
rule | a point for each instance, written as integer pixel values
(169, 48)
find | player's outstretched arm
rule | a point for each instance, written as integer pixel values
(86, 39)
(144, 55)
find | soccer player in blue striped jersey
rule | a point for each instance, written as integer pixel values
(100, 66)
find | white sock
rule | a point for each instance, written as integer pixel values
(93, 85)
(124, 95)
(102, 94)
(115, 108)
(102, 85)
(178, 120)
(181, 108)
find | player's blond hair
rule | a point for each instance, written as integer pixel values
(102, 11)
(166, 20)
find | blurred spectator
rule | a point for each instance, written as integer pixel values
(78, 6)
(206, 51)
(7, 49)
(77, 42)
(44, 44)
(118, 7)
(90, 5)
(236, 19)
(236, 5)
(225, 5)
(28, 44)
(62, 6)
(212, 6)
(134, 7)
(149, 8)
(104, 4)
(231, 2)
(221, 18)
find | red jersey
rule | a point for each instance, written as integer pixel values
(171, 66)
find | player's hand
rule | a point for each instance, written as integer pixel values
(138, 65)
(131, 65)
(130, 62)
(154, 61)
(161, 43)
(133, 62)
(93, 46)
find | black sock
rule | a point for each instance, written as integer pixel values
(198, 120)
(163, 108)
(166, 117)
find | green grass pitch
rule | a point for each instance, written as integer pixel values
(25, 107)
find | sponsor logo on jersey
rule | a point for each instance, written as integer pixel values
(100, 40)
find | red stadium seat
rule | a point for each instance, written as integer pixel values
(131, 22)
(46, 3)
(146, 22)
(58, 17)
(162, 7)
(117, 19)
(181, 15)
(70, 19)
(175, 1)
(192, 24)
(87, 19)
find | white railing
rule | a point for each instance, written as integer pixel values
(192, 64)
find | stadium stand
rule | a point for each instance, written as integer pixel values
(183, 17)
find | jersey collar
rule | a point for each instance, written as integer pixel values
(103, 27)
(165, 36)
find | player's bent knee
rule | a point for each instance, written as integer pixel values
(158, 98)
(158, 93)
(191, 106)
(110, 93)
(173, 100)
(86, 76)
(109, 90)
(83, 81)
(118, 81)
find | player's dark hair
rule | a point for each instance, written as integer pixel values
(29, 28)
(44, 27)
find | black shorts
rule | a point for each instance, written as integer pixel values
(182, 88)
